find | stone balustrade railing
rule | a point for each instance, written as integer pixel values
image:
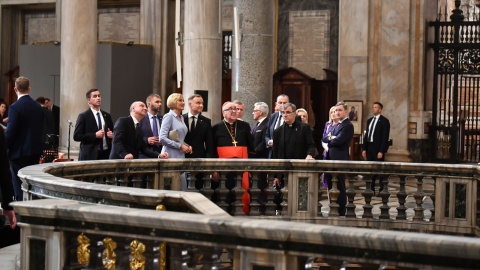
(67, 234)
(101, 222)
(421, 197)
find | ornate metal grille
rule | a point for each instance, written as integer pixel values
(455, 128)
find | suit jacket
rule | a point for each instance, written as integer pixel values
(6, 186)
(127, 141)
(271, 127)
(56, 115)
(259, 143)
(381, 135)
(146, 127)
(25, 129)
(302, 142)
(201, 139)
(338, 148)
(85, 130)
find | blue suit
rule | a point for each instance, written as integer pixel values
(338, 149)
(24, 137)
(147, 130)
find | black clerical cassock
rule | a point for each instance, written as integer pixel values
(234, 141)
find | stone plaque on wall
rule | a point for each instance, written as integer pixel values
(309, 42)
(119, 27)
(40, 30)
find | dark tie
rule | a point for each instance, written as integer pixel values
(372, 128)
(137, 128)
(154, 126)
(100, 127)
(192, 125)
(255, 127)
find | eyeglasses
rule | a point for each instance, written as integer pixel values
(238, 109)
(256, 110)
(286, 112)
(231, 110)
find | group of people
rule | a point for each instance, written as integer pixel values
(145, 133)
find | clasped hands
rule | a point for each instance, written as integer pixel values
(187, 149)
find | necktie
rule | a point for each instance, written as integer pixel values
(255, 127)
(372, 128)
(99, 121)
(154, 126)
(279, 121)
(100, 127)
(137, 127)
(192, 125)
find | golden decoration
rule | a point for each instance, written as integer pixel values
(83, 253)
(163, 245)
(137, 260)
(109, 257)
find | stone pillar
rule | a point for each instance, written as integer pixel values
(202, 52)
(252, 73)
(375, 63)
(78, 64)
(154, 25)
(58, 20)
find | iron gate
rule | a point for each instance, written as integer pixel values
(455, 129)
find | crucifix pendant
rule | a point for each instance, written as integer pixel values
(234, 143)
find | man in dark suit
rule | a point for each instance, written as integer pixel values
(151, 123)
(56, 114)
(199, 135)
(6, 186)
(24, 133)
(259, 130)
(260, 115)
(293, 140)
(128, 140)
(274, 121)
(338, 142)
(375, 142)
(94, 129)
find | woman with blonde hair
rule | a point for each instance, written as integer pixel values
(303, 115)
(174, 129)
(329, 126)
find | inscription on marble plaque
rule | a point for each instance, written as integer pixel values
(309, 41)
(40, 30)
(119, 27)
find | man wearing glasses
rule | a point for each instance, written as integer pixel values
(232, 139)
(293, 140)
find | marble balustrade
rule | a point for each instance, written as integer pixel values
(420, 197)
(67, 234)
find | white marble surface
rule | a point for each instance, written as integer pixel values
(78, 65)
(9, 256)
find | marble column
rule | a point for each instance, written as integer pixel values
(154, 25)
(202, 52)
(376, 62)
(252, 72)
(78, 64)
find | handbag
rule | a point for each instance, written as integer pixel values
(173, 135)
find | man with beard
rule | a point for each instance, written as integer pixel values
(150, 124)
